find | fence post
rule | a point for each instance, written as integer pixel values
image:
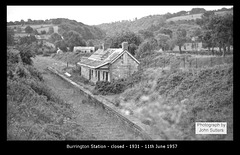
(196, 63)
(211, 61)
(183, 62)
(67, 64)
(163, 62)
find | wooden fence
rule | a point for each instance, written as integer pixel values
(189, 62)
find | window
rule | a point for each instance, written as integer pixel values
(98, 75)
(95, 73)
(106, 76)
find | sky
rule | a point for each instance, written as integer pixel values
(94, 15)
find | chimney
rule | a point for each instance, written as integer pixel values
(125, 45)
(105, 46)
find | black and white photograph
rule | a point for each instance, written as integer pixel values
(119, 73)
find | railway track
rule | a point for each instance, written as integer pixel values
(101, 124)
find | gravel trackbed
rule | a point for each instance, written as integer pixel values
(92, 119)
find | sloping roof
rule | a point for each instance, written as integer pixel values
(42, 37)
(102, 57)
(83, 48)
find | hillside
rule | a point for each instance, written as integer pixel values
(61, 25)
(152, 22)
(195, 16)
(134, 26)
(87, 32)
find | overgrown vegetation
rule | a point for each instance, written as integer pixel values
(34, 112)
(109, 88)
(70, 57)
(172, 101)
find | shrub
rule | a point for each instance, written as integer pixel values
(107, 88)
(35, 73)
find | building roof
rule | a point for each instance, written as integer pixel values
(83, 48)
(42, 37)
(102, 57)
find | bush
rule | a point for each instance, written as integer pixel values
(35, 73)
(107, 88)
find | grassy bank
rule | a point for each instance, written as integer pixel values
(34, 112)
(172, 101)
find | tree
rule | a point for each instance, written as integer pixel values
(208, 41)
(132, 48)
(162, 41)
(10, 36)
(197, 10)
(145, 34)
(35, 32)
(22, 22)
(165, 31)
(26, 53)
(171, 43)
(27, 40)
(50, 30)
(124, 36)
(90, 43)
(180, 38)
(30, 21)
(61, 45)
(218, 30)
(73, 38)
(146, 48)
(197, 32)
(55, 37)
(28, 29)
(222, 31)
(19, 30)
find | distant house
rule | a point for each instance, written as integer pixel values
(108, 64)
(84, 49)
(42, 37)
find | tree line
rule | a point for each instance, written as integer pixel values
(39, 22)
(212, 30)
(217, 31)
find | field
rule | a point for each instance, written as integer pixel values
(186, 17)
(45, 28)
(39, 28)
(195, 16)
